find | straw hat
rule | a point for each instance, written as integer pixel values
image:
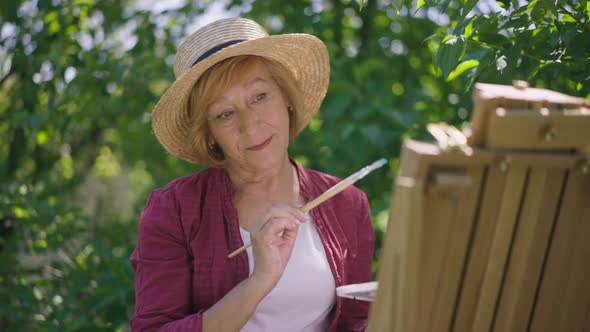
(305, 56)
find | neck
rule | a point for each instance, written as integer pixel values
(281, 180)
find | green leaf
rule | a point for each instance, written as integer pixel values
(542, 11)
(361, 4)
(468, 6)
(486, 59)
(516, 21)
(399, 4)
(568, 18)
(493, 39)
(461, 68)
(504, 4)
(469, 29)
(419, 4)
(450, 52)
(464, 27)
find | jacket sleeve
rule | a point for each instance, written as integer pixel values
(162, 265)
(355, 313)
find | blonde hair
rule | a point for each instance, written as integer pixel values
(219, 78)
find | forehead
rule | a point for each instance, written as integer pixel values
(249, 73)
(242, 76)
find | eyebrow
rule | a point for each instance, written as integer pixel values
(245, 85)
(256, 80)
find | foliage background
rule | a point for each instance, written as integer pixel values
(79, 78)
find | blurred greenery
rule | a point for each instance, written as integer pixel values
(78, 80)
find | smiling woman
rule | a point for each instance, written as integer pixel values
(257, 81)
(239, 99)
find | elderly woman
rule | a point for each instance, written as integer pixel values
(239, 98)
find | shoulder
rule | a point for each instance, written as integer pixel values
(182, 196)
(173, 210)
(188, 186)
(187, 195)
(191, 182)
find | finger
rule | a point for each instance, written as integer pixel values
(301, 216)
(280, 210)
(275, 225)
(272, 229)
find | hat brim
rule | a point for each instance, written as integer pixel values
(304, 55)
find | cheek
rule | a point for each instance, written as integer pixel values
(286, 124)
(280, 115)
(221, 135)
(226, 136)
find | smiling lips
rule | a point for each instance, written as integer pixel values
(261, 145)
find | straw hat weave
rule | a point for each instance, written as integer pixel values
(304, 55)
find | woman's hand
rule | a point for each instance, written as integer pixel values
(271, 250)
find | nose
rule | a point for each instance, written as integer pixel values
(248, 120)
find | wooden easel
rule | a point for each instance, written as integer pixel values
(492, 233)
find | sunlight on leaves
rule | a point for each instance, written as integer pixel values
(19, 212)
(361, 4)
(315, 125)
(419, 4)
(42, 137)
(381, 220)
(397, 89)
(66, 166)
(107, 164)
(303, 160)
(461, 68)
(450, 52)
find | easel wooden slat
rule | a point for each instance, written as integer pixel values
(442, 207)
(564, 297)
(559, 260)
(480, 250)
(509, 210)
(395, 300)
(458, 241)
(531, 236)
(577, 294)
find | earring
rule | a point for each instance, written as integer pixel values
(290, 108)
(216, 151)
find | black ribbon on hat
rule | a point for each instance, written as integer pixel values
(216, 49)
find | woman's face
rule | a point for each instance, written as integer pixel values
(250, 122)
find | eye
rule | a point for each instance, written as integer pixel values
(225, 115)
(260, 97)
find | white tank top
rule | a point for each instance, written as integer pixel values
(304, 296)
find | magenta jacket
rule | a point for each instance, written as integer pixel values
(188, 228)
